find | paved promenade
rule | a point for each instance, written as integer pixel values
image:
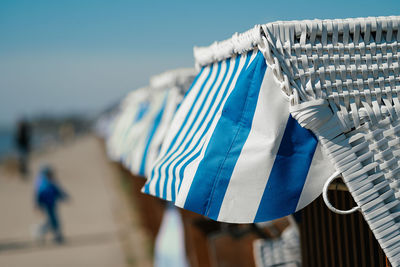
(100, 226)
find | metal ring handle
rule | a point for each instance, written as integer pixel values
(326, 200)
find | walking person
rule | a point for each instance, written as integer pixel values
(48, 193)
(23, 143)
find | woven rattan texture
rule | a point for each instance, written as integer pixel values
(343, 79)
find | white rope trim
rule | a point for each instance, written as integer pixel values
(238, 44)
(182, 77)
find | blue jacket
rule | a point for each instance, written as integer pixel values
(47, 193)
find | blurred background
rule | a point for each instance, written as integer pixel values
(72, 59)
(64, 62)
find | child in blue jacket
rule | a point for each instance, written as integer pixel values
(47, 195)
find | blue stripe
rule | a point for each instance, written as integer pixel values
(157, 186)
(288, 173)
(212, 177)
(185, 151)
(234, 71)
(200, 109)
(142, 111)
(139, 114)
(150, 136)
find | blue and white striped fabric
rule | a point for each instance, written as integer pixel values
(145, 138)
(137, 132)
(131, 111)
(145, 117)
(233, 153)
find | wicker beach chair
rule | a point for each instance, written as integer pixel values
(233, 152)
(342, 77)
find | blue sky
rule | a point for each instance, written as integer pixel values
(80, 56)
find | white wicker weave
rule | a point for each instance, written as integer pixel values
(343, 80)
(342, 77)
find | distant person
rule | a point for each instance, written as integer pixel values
(23, 143)
(48, 194)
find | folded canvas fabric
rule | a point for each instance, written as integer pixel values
(130, 111)
(233, 151)
(146, 138)
(145, 117)
(105, 123)
(135, 141)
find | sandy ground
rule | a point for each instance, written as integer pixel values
(100, 226)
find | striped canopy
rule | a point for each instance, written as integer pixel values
(130, 111)
(233, 152)
(144, 118)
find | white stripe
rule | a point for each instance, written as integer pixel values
(253, 167)
(321, 169)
